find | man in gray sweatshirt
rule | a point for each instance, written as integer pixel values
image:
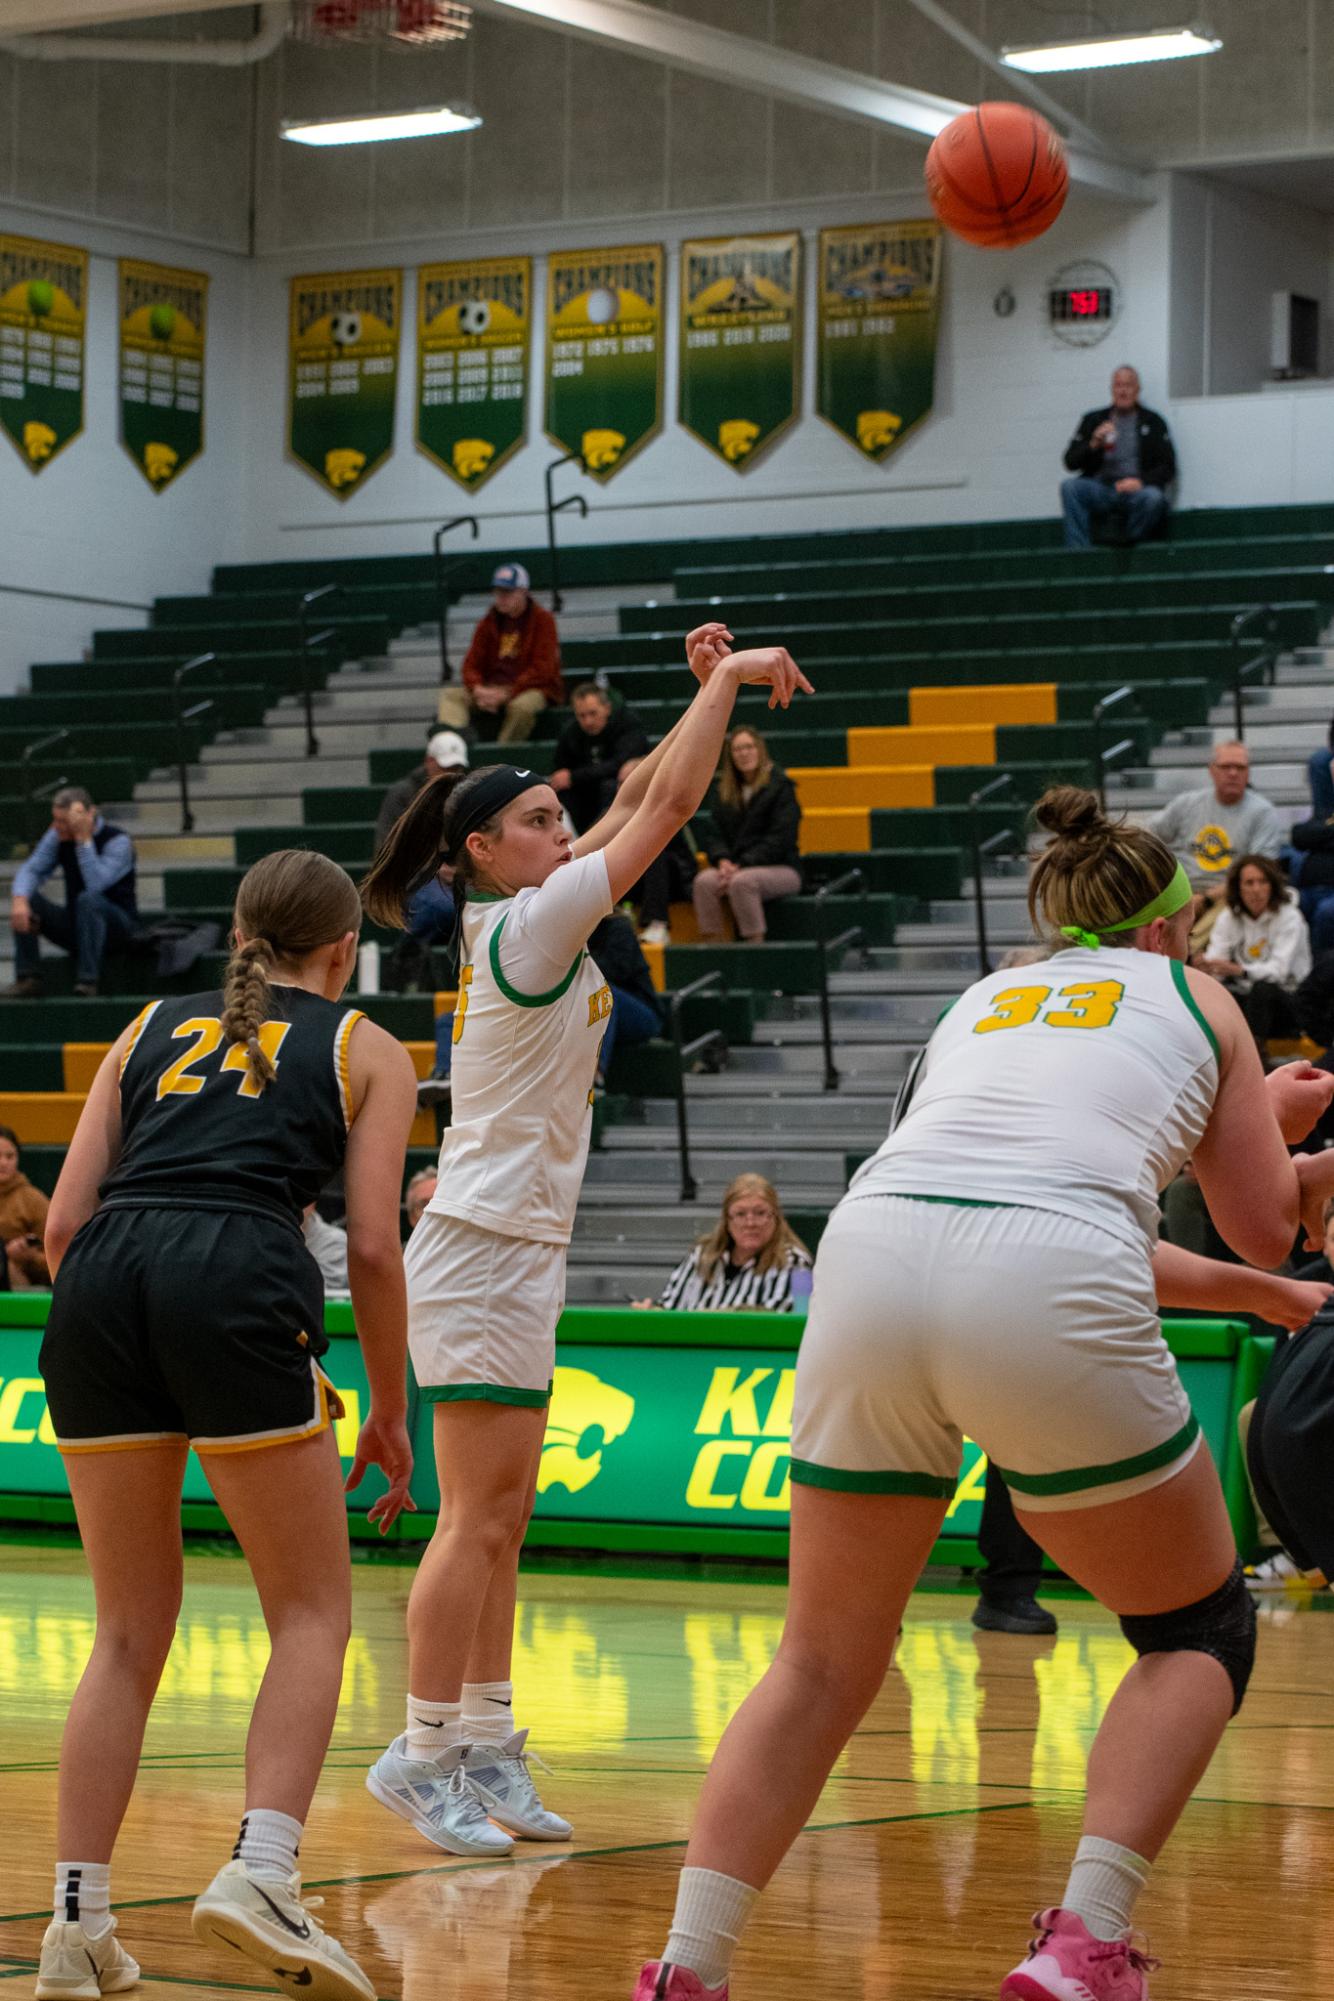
(1210, 829)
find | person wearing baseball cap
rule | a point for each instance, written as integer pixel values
(512, 669)
(430, 911)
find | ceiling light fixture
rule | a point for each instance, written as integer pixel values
(1160, 45)
(372, 126)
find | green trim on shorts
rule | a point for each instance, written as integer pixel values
(1182, 985)
(485, 1393)
(840, 1480)
(512, 993)
(1084, 1477)
(946, 1201)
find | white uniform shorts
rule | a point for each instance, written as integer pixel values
(1031, 1333)
(482, 1313)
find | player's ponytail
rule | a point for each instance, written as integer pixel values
(1094, 872)
(411, 852)
(288, 906)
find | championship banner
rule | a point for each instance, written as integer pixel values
(343, 347)
(604, 353)
(473, 333)
(162, 324)
(740, 342)
(879, 311)
(43, 315)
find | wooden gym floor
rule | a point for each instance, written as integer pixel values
(949, 1820)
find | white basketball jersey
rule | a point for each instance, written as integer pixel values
(1080, 1085)
(525, 1056)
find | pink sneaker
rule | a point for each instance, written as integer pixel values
(660, 1982)
(1066, 1963)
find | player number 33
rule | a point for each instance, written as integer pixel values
(1091, 1006)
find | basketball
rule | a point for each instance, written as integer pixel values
(997, 175)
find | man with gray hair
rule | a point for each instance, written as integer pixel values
(96, 860)
(1121, 461)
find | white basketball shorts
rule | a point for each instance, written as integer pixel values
(482, 1313)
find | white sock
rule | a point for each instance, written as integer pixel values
(1105, 1880)
(83, 1896)
(488, 1712)
(433, 1727)
(711, 1911)
(268, 1844)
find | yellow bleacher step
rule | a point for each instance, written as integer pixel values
(833, 831)
(866, 784)
(949, 743)
(42, 1118)
(1012, 702)
(82, 1060)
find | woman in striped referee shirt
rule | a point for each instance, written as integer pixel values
(746, 1262)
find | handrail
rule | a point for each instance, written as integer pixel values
(72, 597)
(312, 645)
(47, 792)
(30, 751)
(712, 1038)
(1262, 661)
(981, 848)
(439, 569)
(854, 935)
(309, 598)
(555, 507)
(1100, 761)
(182, 718)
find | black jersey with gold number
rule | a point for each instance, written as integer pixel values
(195, 1131)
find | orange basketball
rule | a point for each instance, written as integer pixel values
(997, 175)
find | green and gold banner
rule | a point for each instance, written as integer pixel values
(740, 342)
(879, 312)
(162, 325)
(604, 353)
(43, 315)
(343, 345)
(474, 325)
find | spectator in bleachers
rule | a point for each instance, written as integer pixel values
(746, 1262)
(596, 749)
(327, 1244)
(22, 1220)
(430, 915)
(446, 751)
(1320, 772)
(420, 1189)
(1121, 461)
(100, 910)
(512, 668)
(754, 856)
(1207, 829)
(636, 1015)
(1260, 947)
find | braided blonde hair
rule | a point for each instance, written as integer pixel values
(288, 906)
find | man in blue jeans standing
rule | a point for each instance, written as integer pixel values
(1121, 460)
(96, 860)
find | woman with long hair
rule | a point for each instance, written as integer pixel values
(1260, 946)
(486, 1264)
(745, 1261)
(989, 1273)
(187, 1311)
(754, 857)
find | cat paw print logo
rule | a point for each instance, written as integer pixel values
(586, 1416)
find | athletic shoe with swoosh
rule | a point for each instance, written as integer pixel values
(268, 1922)
(76, 1967)
(1067, 1963)
(435, 1797)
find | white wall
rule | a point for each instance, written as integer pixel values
(1008, 395)
(88, 523)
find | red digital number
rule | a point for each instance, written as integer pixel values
(1086, 305)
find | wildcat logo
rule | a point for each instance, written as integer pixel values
(1213, 849)
(737, 438)
(344, 466)
(160, 463)
(39, 441)
(586, 1415)
(877, 429)
(602, 449)
(471, 457)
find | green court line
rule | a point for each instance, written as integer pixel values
(518, 1862)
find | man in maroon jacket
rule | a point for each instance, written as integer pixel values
(513, 666)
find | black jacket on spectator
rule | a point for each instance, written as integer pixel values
(397, 800)
(593, 762)
(1315, 840)
(762, 833)
(614, 950)
(1157, 458)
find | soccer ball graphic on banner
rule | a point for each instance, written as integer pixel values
(474, 316)
(603, 306)
(345, 329)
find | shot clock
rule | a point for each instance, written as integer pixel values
(1083, 303)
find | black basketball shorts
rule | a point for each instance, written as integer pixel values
(1290, 1449)
(171, 1324)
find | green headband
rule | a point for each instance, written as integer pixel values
(1175, 897)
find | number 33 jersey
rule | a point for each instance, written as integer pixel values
(195, 1132)
(1081, 1085)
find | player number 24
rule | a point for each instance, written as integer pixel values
(179, 1078)
(1091, 1006)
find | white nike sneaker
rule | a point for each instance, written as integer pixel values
(499, 1775)
(269, 1922)
(76, 1967)
(436, 1799)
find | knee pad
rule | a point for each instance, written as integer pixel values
(1221, 1625)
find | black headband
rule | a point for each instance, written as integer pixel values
(490, 796)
